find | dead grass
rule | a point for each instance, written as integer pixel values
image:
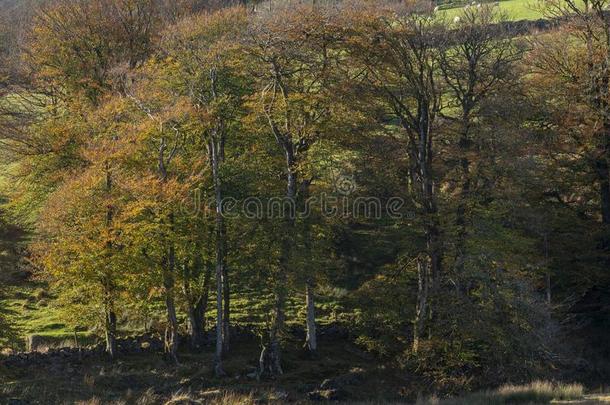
(537, 392)
(214, 397)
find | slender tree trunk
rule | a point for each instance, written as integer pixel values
(461, 214)
(168, 267)
(273, 361)
(548, 270)
(218, 369)
(220, 256)
(171, 332)
(216, 150)
(110, 315)
(197, 302)
(311, 342)
(226, 304)
(603, 174)
(110, 326)
(428, 265)
(421, 309)
(270, 359)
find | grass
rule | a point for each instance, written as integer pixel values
(537, 392)
(513, 9)
(32, 311)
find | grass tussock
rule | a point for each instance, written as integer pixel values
(215, 397)
(537, 392)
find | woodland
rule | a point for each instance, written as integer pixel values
(415, 193)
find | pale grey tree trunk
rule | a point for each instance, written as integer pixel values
(171, 332)
(168, 267)
(110, 315)
(311, 342)
(110, 327)
(220, 254)
(226, 290)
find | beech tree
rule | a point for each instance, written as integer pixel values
(205, 49)
(400, 57)
(476, 62)
(497, 151)
(294, 55)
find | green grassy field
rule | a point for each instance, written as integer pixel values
(31, 310)
(512, 9)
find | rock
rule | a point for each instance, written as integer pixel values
(357, 352)
(17, 401)
(327, 395)
(280, 396)
(252, 373)
(305, 388)
(333, 332)
(355, 376)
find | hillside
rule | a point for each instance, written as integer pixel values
(300, 201)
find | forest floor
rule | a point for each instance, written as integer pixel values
(149, 378)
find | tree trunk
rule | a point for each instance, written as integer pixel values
(422, 302)
(311, 342)
(196, 325)
(226, 305)
(270, 359)
(110, 327)
(218, 370)
(110, 315)
(197, 303)
(603, 173)
(430, 263)
(548, 269)
(171, 332)
(220, 257)
(461, 214)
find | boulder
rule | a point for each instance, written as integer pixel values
(327, 395)
(353, 377)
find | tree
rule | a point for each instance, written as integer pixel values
(204, 48)
(294, 52)
(584, 82)
(81, 242)
(476, 63)
(400, 58)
